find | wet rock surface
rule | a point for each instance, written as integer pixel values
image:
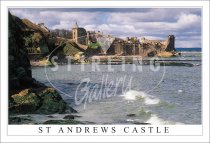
(63, 122)
(40, 101)
(19, 120)
(131, 115)
(71, 116)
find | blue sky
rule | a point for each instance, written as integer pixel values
(152, 23)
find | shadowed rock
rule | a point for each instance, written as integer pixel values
(131, 115)
(63, 122)
(70, 116)
(26, 95)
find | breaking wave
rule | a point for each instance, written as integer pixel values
(139, 95)
(155, 120)
(147, 116)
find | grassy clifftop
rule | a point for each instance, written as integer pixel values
(31, 26)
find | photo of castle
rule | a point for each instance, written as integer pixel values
(126, 66)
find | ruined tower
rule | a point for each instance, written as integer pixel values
(170, 43)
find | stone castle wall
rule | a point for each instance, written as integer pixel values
(158, 46)
(129, 46)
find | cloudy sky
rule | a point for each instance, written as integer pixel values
(153, 23)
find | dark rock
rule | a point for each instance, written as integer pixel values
(50, 116)
(52, 102)
(26, 101)
(63, 122)
(140, 123)
(14, 120)
(131, 115)
(18, 120)
(19, 64)
(43, 100)
(26, 95)
(20, 75)
(152, 54)
(175, 64)
(69, 117)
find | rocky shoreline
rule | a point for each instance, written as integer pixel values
(41, 106)
(33, 119)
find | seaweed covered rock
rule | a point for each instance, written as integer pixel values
(25, 101)
(51, 102)
(41, 101)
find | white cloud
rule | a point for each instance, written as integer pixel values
(155, 37)
(22, 13)
(188, 20)
(184, 21)
(62, 25)
(82, 18)
(115, 29)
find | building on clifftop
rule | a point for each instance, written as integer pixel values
(79, 35)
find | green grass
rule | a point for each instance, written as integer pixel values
(94, 45)
(70, 49)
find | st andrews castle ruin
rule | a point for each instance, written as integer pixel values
(110, 45)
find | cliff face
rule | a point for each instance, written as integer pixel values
(19, 64)
(26, 95)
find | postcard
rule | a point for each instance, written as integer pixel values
(120, 71)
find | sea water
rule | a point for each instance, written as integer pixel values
(129, 94)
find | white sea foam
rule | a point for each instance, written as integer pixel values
(151, 101)
(135, 95)
(129, 120)
(155, 120)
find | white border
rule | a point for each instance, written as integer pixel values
(4, 71)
